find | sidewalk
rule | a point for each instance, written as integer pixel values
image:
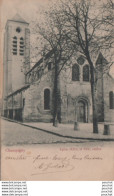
(67, 130)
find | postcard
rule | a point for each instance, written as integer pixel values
(57, 90)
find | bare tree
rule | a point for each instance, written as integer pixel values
(54, 40)
(75, 26)
(107, 24)
(89, 31)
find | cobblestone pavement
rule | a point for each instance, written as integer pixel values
(16, 134)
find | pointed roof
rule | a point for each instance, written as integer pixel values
(101, 60)
(18, 18)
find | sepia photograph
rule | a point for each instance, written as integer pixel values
(57, 90)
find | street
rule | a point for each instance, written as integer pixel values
(13, 134)
(32, 154)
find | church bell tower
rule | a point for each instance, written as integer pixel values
(16, 54)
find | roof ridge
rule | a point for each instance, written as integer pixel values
(18, 18)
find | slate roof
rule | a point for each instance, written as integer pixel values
(41, 60)
(19, 90)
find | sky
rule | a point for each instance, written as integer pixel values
(28, 9)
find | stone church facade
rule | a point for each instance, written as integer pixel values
(28, 92)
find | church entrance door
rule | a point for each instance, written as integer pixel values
(81, 111)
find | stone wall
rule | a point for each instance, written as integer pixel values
(71, 93)
(100, 96)
(34, 100)
(108, 86)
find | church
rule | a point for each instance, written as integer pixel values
(28, 91)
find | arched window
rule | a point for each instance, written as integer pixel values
(23, 102)
(86, 73)
(18, 29)
(15, 38)
(46, 99)
(111, 100)
(75, 73)
(38, 74)
(30, 80)
(14, 45)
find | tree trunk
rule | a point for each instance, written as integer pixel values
(55, 121)
(55, 96)
(95, 120)
(93, 94)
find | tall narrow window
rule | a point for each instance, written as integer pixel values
(111, 100)
(86, 73)
(21, 51)
(23, 102)
(49, 66)
(46, 99)
(75, 73)
(38, 74)
(14, 48)
(30, 80)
